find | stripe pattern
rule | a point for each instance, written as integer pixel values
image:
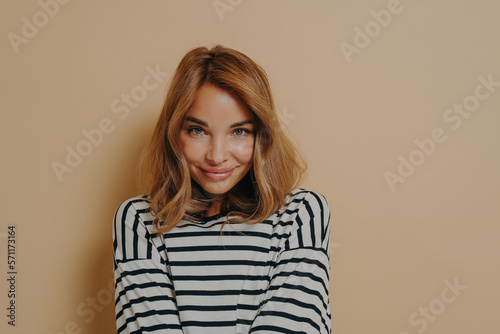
(270, 277)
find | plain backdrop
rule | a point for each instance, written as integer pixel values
(396, 105)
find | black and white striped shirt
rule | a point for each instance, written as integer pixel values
(270, 277)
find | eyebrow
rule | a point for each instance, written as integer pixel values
(196, 120)
(235, 125)
(202, 123)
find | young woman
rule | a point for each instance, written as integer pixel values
(224, 242)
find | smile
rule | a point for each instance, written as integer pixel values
(217, 173)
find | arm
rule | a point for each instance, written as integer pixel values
(297, 298)
(144, 294)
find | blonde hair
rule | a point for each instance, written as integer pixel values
(277, 166)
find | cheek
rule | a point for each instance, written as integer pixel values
(244, 153)
(191, 151)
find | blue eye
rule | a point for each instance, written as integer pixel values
(241, 132)
(195, 130)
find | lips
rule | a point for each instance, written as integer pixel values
(221, 173)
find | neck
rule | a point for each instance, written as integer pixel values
(215, 208)
(214, 200)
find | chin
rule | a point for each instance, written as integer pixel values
(218, 187)
(216, 190)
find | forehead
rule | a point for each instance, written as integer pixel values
(215, 104)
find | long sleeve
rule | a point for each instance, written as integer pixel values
(297, 298)
(220, 278)
(144, 294)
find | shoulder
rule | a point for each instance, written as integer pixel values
(302, 198)
(132, 211)
(305, 219)
(137, 203)
(132, 225)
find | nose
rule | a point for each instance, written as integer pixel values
(218, 150)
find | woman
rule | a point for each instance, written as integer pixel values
(224, 242)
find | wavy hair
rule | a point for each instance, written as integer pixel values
(277, 166)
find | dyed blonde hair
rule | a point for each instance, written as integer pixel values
(277, 166)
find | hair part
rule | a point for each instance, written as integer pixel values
(277, 166)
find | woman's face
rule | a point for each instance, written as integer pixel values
(217, 139)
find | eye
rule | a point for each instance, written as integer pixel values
(241, 132)
(195, 130)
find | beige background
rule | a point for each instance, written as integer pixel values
(395, 251)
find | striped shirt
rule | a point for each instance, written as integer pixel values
(270, 277)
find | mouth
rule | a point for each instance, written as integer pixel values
(218, 173)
